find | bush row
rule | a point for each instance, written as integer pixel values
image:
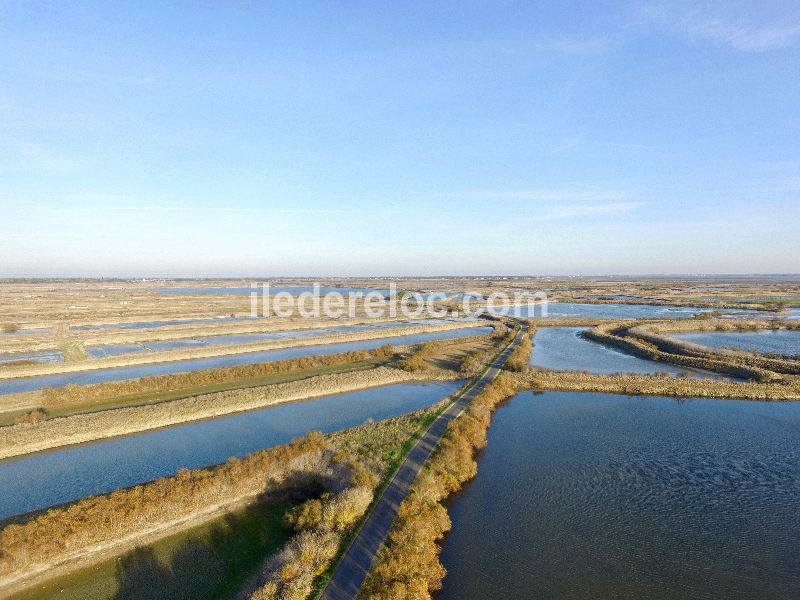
(63, 532)
(74, 394)
(408, 566)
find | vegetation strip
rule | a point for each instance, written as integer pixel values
(408, 565)
(52, 433)
(349, 575)
(90, 529)
(655, 385)
(623, 336)
(41, 369)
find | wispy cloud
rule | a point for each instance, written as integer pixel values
(254, 210)
(747, 27)
(628, 145)
(34, 157)
(579, 140)
(574, 211)
(566, 195)
(567, 144)
(531, 205)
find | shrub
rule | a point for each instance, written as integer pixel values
(74, 394)
(408, 565)
(45, 539)
(10, 327)
(35, 416)
(321, 525)
(519, 359)
(416, 361)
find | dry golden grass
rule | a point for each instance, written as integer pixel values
(99, 523)
(407, 566)
(85, 395)
(654, 385)
(29, 418)
(97, 527)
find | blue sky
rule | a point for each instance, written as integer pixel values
(236, 139)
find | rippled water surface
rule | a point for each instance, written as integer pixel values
(563, 349)
(604, 496)
(49, 478)
(781, 342)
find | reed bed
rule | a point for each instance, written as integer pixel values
(657, 385)
(407, 566)
(79, 395)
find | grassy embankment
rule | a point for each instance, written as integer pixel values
(655, 385)
(191, 551)
(659, 336)
(105, 410)
(27, 438)
(641, 340)
(80, 399)
(407, 566)
(128, 360)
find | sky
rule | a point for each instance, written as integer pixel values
(233, 138)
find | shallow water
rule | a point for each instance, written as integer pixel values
(27, 384)
(54, 477)
(103, 351)
(780, 342)
(604, 496)
(563, 349)
(155, 324)
(616, 311)
(633, 311)
(45, 357)
(25, 332)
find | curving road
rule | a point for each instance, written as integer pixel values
(352, 570)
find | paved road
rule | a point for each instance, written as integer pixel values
(357, 561)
